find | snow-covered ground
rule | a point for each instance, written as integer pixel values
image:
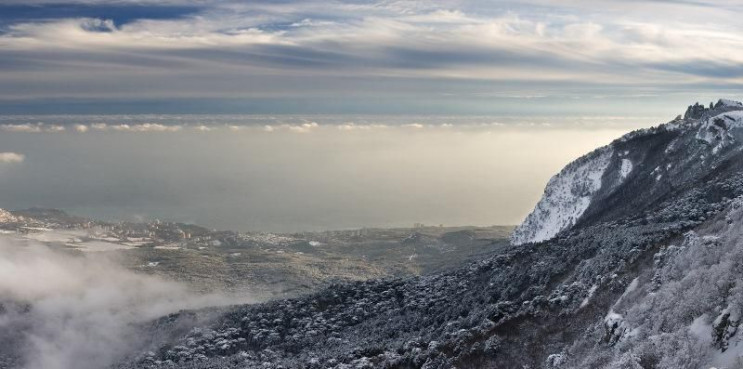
(625, 169)
(168, 247)
(77, 239)
(689, 313)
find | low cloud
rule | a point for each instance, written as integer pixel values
(414, 125)
(360, 127)
(305, 127)
(61, 311)
(180, 124)
(144, 127)
(203, 128)
(32, 128)
(11, 157)
(297, 128)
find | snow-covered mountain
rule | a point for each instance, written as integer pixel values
(628, 174)
(638, 266)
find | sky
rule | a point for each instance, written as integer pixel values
(532, 57)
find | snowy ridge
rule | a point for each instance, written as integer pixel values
(732, 103)
(716, 130)
(566, 198)
(569, 194)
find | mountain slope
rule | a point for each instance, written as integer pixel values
(683, 312)
(567, 196)
(603, 291)
(646, 165)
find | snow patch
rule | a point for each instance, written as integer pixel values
(555, 360)
(671, 146)
(625, 169)
(615, 327)
(730, 103)
(586, 300)
(701, 329)
(167, 247)
(632, 286)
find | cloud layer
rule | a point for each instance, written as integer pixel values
(349, 52)
(256, 124)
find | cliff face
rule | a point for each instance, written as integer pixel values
(633, 172)
(566, 197)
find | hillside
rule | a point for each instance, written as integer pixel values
(268, 265)
(155, 268)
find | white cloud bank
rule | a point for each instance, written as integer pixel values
(32, 128)
(144, 127)
(257, 124)
(11, 157)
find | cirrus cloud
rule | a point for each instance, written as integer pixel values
(382, 53)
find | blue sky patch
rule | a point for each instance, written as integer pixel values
(120, 14)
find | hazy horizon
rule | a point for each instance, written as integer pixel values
(294, 173)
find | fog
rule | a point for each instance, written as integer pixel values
(63, 311)
(292, 174)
